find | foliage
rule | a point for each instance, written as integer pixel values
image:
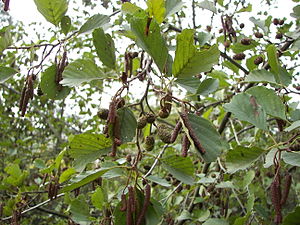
(145, 115)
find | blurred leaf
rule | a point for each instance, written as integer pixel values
(173, 6)
(208, 5)
(293, 126)
(152, 42)
(208, 86)
(105, 48)
(157, 9)
(80, 211)
(269, 101)
(203, 38)
(98, 198)
(129, 8)
(66, 175)
(272, 58)
(128, 124)
(241, 158)
(5, 39)
(245, 107)
(6, 73)
(81, 71)
(292, 158)
(296, 11)
(65, 24)
(292, 218)
(86, 148)
(188, 61)
(261, 76)
(260, 24)
(191, 84)
(96, 21)
(52, 10)
(246, 9)
(159, 181)
(214, 221)
(49, 86)
(181, 168)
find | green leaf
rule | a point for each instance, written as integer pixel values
(96, 21)
(269, 101)
(154, 213)
(293, 126)
(129, 8)
(173, 6)
(191, 84)
(80, 71)
(98, 198)
(250, 203)
(246, 108)
(241, 158)
(214, 221)
(292, 158)
(80, 211)
(203, 38)
(5, 38)
(128, 124)
(105, 48)
(159, 181)
(49, 86)
(272, 58)
(66, 175)
(153, 43)
(188, 61)
(208, 86)
(119, 216)
(284, 77)
(52, 10)
(209, 138)
(269, 159)
(181, 168)
(84, 178)
(65, 24)
(157, 9)
(6, 73)
(260, 24)
(292, 218)
(247, 179)
(261, 76)
(296, 12)
(208, 5)
(86, 148)
(246, 9)
(238, 47)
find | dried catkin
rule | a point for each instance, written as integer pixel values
(276, 199)
(176, 131)
(124, 203)
(145, 205)
(287, 187)
(185, 145)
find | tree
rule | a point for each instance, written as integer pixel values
(146, 116)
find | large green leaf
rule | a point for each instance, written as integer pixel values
(5, 38)
(84, 178)
(273, 58)
(261, 76)
(6, 73)
(208, 86)
(105, 48)
(157, 9)
(128, 124)
(52, 10)
(245, 107)
(173, 6)
(49, 86)
(80, 71)
(188, 60)
(241, 158)
(209, 138)
(96, 21)
(191, 84)
(292, 218)
(86, 148)
(292, 158)
(152, 42)
(270, 102)
(181, 168)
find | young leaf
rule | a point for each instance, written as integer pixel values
(128, 124)
(49, 86)
(241, 158)
(157, 9)
(245, 107)
(6, 73)
(98, 198)
(80, 210)
(105, 48)
(52, 10)
(188, 61)
(80, 71)
(152, 41)
(269, 101)
(273, 59)
(96, 21)
(180, 167)
(86, 148)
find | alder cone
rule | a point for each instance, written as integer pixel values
(246, 41)
(239, 56)
(275, 21)
(278, 36)
(163, 113)
(281, 22)
(258, 35)
(150, 117)
(103, 113)
(258, 60)
(149, 143)
(227, 44)
(242, 25)
(164, 133)
(142, 122)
